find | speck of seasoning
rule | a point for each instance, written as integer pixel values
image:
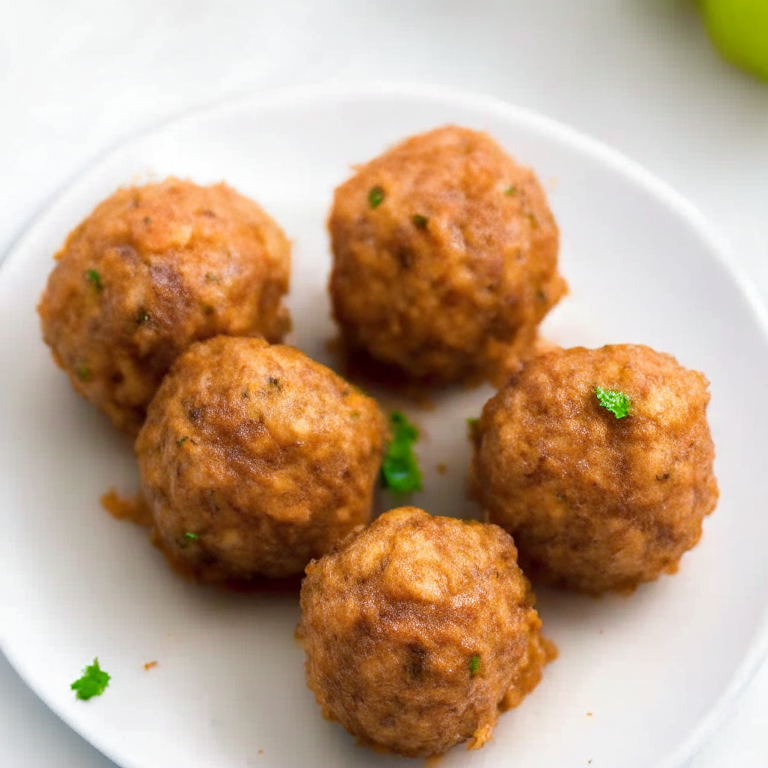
(245, 395)
(142, 317)
(147, 220)
(355, 415)
(83, 372)
(191, 536)
(541, 295)
(150, 665)
(420, 221)
(194, 413)
(376, 197)
(181, 441)
(474, 665)
(510, 190)
(94, 278)
(211, 278)
(207, 309)
(532, 218)
(442, 469)
(273, 382)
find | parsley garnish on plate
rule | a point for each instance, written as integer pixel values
(400, 469)
(92, 683)
(191, 536)
(616, 402)
(376, 197)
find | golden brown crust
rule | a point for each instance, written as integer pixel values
(597, 503)
(170, 264)
(459, 293)
(392, 621)
(264, 456)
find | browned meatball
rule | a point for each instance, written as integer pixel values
(254, 459)
(597, 502)
(419, 630)
(445, 257)
(150, 271)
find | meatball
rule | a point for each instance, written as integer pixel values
(445, 257)
(254, 459)
(419, 630)
(151, 270)
(597, 502)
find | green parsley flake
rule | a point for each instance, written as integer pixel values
(92, 683)
(472, 421)
(376, 197)
(211, 278)
(510, 190)
(181, 441)
(474, 665)
(616, 402)
(191, 536)
(83, 372)
(273, 382)
(93, 277)
(142, 317)
(420, 221)
(400, 469)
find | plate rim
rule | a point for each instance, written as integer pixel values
(562, 132)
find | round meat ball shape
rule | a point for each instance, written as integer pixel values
(419, 631)
(254, 459)
(444, 257)
(594, 502)
(151, 270)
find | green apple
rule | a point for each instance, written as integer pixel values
(739, 28)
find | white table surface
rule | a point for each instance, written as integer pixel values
(76, 76)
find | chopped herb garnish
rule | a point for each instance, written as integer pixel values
(83, 372)
(92, 683)
(273, 382)
(211, 278)
(400, 469)
(142, 317)
(181, 441)
(474, 665)
(472, 421)
(616, 402)
(93, 277)
(147, 220)
(510, 190)
(355, 415)
(376, 197)
(191, 536)
(207, 309)
(420, 221)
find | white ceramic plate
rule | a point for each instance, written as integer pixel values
(640, 682)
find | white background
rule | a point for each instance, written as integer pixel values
(76, 76)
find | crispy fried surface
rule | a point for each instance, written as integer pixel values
(597, 503)
(266, 457)
(169, 264)
(458, 291)
(419, 630)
